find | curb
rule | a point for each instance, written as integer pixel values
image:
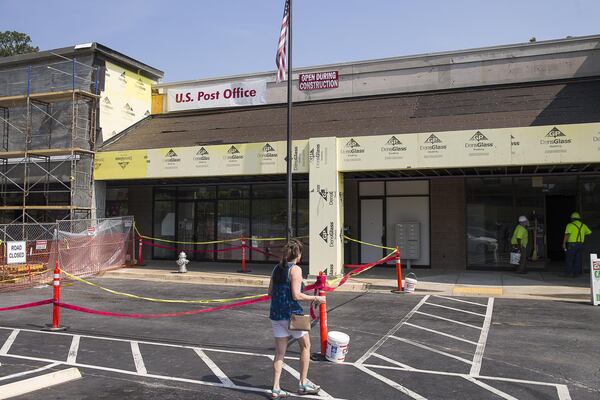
(29, 385)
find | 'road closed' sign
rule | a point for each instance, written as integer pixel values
(16, 252)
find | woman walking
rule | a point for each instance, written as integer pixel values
(286, 290)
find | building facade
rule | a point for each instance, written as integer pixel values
(56, 107)
(457, 145)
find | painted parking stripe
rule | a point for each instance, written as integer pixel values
(214, 368)
(563, 392)
(179, 346)
(562, 389)
(391, 383)
(381, 341)
(455, 309)
(448, 320)
(163, 377)
(9, 342)
(33, 371)
(441, 333)
(137, 359)
(428, 348)
(478, 357)
(72, 357)
(460, 300)
(296, 375)
(489, 388)
(384, 358)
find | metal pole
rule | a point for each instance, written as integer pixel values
(289, 230)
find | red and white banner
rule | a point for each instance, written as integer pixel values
(232, 94)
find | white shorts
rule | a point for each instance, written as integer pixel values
(280, 329)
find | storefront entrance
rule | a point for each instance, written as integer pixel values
(494, 205)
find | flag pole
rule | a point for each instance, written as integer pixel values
(289, 230)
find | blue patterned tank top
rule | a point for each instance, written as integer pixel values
(282, 303)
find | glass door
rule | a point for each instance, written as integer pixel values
(205, 229)
(185, 227)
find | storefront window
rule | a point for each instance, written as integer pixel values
(117, 202)
(164, 227)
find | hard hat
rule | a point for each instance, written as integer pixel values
(523, 218)
(575, 215)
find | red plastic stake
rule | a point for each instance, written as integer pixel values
(55, 300)
(140, 250)
(322, 316)
(399, 270)
(243, 270)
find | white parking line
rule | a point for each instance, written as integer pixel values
(563, 392)
(33, 371)
(448, 320)
(296, 375)
(9, 342)
(163, 377)
(441, 333)
(214, 368)
(478, 357)
(137, 359)
(391, 383)
(460, 300)
(384, 358)
(380, 342)
(428, 348)
(489, 388)
(455, 309)
(72, 357)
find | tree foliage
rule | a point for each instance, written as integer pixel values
(13, 42)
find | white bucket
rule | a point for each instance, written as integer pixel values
(337, 346)
(410, 284)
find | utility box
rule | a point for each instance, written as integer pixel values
(408, 238)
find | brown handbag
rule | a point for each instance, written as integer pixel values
(299, 323)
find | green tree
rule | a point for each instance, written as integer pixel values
(12, 43)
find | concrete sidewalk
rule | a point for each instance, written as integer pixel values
(534, 285)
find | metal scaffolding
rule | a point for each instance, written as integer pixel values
(48, 127)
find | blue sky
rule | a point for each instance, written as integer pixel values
(206, 38)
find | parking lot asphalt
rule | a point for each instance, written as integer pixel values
(401, 346)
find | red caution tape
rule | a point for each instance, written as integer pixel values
(28, 305)
(266, 253)
(358, 271)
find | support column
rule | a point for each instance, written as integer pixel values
(326, 186)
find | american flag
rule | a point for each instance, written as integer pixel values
(281, 48)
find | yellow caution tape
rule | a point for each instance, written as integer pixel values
(369, 244)
(133, 296)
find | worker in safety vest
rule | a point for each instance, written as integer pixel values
(519, 241)
(575, 234)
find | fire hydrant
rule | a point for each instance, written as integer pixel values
(182, 262)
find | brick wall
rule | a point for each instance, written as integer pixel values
(448, 240)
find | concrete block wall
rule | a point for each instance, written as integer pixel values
(448, 230)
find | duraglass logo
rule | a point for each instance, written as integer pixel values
(393, 145)
(267, 152)
(514, 141)
(352, 147)
(324, 235)
(481, 141)
(202, 155)
(128, 109)
(555, 136)
(171, 157)
(123, 164)
(432, 144)
(234, 154)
